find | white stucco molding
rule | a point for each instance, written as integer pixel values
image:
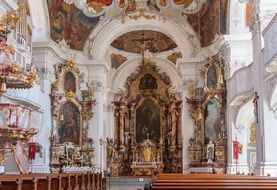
(105, 33)
(272, 91)
(40, 20)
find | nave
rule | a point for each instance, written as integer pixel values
(138, 94)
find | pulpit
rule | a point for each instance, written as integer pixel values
(147, 159)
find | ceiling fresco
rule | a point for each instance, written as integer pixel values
(69, 23)
(154, 41)
(210, 20)
(73, 20)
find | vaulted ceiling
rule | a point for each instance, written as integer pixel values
(74, 20)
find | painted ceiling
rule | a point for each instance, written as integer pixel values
(154, 41)
(73, 20)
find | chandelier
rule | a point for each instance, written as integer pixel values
(12, 75)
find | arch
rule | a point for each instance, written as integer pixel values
(100, 39)
(130, 66)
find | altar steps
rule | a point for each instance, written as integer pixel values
(127, 183)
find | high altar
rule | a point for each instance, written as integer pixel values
(147, 125)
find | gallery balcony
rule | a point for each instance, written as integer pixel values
(269, 53)
(241, 86)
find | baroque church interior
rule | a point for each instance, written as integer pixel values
(97, 93)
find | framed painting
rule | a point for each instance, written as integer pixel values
(69, 130)
(69, 82)
(212, 77)
(212, 122)
(148, 121)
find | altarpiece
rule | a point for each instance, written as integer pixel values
(208, 147)
(71, 112)
(147, 137)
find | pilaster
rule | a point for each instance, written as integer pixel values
(97, 128)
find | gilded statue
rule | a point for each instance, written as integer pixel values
(253, 133)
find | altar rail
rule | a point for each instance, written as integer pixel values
(53, 181)
(212, 181)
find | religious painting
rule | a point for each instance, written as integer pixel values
(210, 20)
(98, 5)
(69, 23)
(148, 121)
(148, 82)
(162, 3)
(212, 77)
(212, 120)
(132, 6)
(174, 56)
(69, 82)
(152, 5)
(69, 130)
(185, 3)
(117, 60)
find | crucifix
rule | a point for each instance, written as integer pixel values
(256, 103)
(142, 42)
(147, 135)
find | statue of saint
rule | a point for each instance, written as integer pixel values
(210, 152)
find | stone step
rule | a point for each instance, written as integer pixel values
(127, 183)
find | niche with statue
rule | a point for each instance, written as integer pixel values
(71, 148)
(208, 147)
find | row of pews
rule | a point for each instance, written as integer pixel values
(212, 181)
(53, 181)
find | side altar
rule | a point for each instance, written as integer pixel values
(71, 106)
(208, 147)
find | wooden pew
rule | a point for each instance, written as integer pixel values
(213, 181)
(52, 181)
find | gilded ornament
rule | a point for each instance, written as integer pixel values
(54, 85)
(9, 21)
(69, 95)
(253, 133)
(15, 69)
(192, 88)
(2, 158)
(142, 14)
(31, 77)
(70, 63)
